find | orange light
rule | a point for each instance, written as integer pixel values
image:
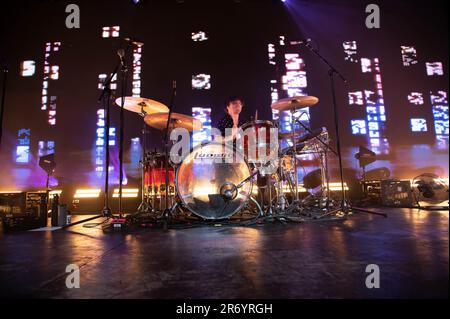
(126, 193)
(87, 193)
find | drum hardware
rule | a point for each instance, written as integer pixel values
(213, 189)
(229, 191)
(292, 104)
(345, 206)
(260, 210)
(144, 206)
(319, 135)
(168, 121)
(167, 212)
(143, 107)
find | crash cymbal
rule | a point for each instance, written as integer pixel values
(159, 121)
(295, 102)
(142, 105)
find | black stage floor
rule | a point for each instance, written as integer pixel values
(324, 259)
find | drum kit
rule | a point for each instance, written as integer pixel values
(212, 189)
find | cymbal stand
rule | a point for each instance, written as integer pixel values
(295, 153)
(144, 207)
(167, 212)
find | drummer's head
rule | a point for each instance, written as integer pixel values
(234, 105)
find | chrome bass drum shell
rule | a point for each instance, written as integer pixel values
(202, 174)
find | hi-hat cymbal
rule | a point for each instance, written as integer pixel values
(304, 137)
(295, 102)
(159, 121)
(142, 105)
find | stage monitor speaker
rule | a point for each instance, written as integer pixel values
(396, 193)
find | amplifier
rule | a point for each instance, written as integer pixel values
(372, 191)
(396, 193)
(25, 210)
(12, 204)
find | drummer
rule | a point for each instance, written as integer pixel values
(234, 105)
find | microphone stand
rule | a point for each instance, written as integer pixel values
(2, 110)
(167, 211)
(105, 97)
(345, 205)
(124, 72)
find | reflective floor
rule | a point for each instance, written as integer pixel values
(308, 260)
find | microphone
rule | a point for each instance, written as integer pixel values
(121, 54)
(302, 41)
(134, 41)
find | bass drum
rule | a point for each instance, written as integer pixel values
(202, 175)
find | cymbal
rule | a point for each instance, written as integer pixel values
(159, 121)
(304, 137)
(287, 135)
(295, 102)
(142, 105)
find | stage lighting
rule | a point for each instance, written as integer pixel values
(337, 187)
(87, 193)
(126, 193)
(55, 192)
(27, 68)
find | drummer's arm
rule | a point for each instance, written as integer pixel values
(231, 137)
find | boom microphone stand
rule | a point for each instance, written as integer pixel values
(105, 97)
(345, 205)
(124, 71)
